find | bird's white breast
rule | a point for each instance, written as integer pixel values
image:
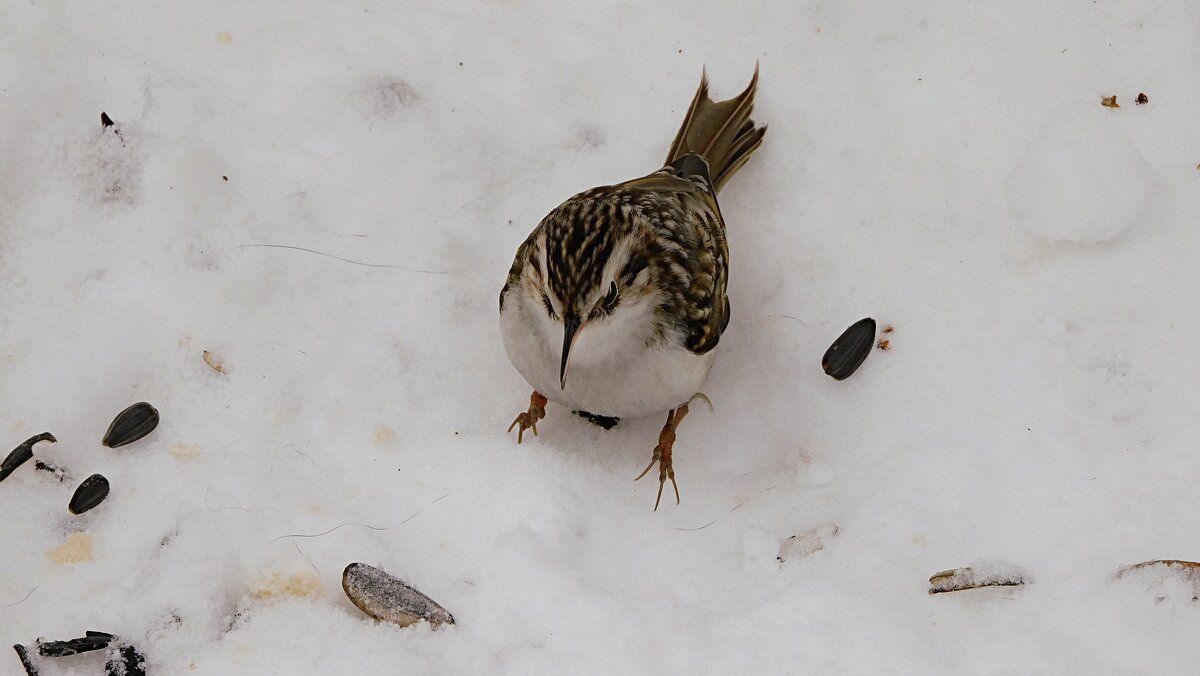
(611, 370)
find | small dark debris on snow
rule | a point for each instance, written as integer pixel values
(807, 543)
(21, 454)
(224, 178)
(131, 424)
(607, 422)
(1110, 102)
(90, 493)
(884, 344)
(105, 120)
(847, 353)
(388, 598)
(57, 472)
(1142, 99)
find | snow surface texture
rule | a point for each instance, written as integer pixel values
(945, 168)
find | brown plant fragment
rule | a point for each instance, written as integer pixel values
(215, 363)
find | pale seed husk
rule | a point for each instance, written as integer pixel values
(388, 598)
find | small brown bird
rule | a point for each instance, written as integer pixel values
(622, 287)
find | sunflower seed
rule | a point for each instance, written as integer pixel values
(850, 349)
(131, 424)
(22, 453)
(981, 574)
(384, 597)
(90, 493)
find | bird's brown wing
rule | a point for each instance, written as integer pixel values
(692, 254)
(519, 261)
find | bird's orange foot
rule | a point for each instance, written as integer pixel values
(662, 454)
(528, 419)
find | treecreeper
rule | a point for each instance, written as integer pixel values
(615, 302)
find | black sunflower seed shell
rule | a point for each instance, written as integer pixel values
(22, 453)
(23, 655)
(95, 640)
(127, 661)
(131, 424)
(850, 349)
(90, 493)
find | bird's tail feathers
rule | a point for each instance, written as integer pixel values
(720, 131)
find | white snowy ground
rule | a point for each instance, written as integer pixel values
(945, 168)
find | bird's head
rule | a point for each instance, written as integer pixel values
(596, 290)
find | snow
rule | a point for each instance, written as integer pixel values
(945, 168)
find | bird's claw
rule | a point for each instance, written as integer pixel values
(528, 419)
(662, 454)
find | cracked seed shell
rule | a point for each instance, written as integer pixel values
(22, 453)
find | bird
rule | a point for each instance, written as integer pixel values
(616, 300)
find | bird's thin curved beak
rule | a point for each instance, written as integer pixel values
(571, 325)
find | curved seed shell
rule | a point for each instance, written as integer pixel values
(22, 453)
(850, 349)
(388, 598)
(90, 493)
(131, 424)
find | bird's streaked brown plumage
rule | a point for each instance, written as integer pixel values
(636, 274)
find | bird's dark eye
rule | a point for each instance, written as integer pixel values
(611, 298)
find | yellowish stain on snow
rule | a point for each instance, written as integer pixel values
(280, 585)
(224, 38)
(77, 548)
(181, 451)
(384, 434)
